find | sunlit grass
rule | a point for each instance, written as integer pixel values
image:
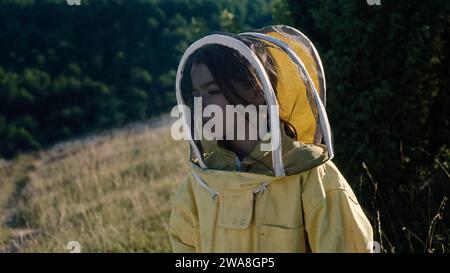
(111, 193)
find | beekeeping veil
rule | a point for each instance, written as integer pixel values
(300, 91)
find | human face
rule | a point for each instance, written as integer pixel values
(204, 86)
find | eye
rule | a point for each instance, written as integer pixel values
(214, 92)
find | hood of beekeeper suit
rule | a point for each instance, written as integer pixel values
(299, 97)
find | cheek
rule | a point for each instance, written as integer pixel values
(221, 102)
(218, 100)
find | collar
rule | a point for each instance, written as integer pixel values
(297, 156)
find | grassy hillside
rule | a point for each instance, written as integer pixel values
(111, 193)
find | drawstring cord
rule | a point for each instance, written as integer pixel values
(202, 183)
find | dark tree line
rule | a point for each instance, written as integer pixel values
(69, 70)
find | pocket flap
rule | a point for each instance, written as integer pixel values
(278, 239)
(235, 209)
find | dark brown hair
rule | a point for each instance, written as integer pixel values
(233, 73)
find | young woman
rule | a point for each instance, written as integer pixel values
(240, 196)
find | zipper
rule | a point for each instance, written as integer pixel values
(260, 190)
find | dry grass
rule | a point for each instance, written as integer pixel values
(111, 193)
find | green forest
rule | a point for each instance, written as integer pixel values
(67, 71)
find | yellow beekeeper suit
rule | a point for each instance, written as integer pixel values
(241, 206)
(314, 210)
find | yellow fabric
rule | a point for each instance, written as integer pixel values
(316, 206)
(291, 90)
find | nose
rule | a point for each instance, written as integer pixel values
(205, 101)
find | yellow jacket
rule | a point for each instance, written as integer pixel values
(234, 211)
(292, 199)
